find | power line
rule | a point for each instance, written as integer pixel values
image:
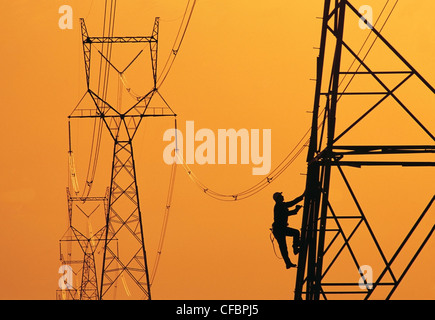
(290, 158)
(262, 184)
(102, 87)
(165, 221)
(177, 43)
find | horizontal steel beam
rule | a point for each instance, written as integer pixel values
(359, 164)
(119, 39)
(83, 199)
(356, 93)
(375, 72)
(118, 116)
(355, 284)
(387, 149)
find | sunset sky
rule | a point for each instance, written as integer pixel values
(243, 64)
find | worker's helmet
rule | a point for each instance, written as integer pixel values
(277, 195)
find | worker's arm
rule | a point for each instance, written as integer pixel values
(294, 211)
(295, 201)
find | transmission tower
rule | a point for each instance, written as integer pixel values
(124, 256)
(322, 224)
(80, 245)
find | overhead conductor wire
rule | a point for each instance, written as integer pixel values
(169, 62)
(103, 82)
(291, 156)
(178, 158)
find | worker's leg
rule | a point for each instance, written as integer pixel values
(280, 237)
(296, 238)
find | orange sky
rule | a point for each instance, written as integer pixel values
(243, 64)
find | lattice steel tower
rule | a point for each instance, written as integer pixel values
(328, 156)
(124, 255)
(80, 246)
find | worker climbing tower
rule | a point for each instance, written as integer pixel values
(374, 92)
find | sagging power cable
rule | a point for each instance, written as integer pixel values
(165, 221)
(103, 82)
(265, 182)
(177, 42)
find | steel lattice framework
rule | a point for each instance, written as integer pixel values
(327, 155)
(124, 254)
(79, 245)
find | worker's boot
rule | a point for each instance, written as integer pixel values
(296, 248)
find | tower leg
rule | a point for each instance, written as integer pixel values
(89, 286)
(124, 251)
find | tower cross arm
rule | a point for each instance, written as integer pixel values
(131, 39)
(100, 115)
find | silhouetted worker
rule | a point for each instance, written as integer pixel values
(280, 227)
